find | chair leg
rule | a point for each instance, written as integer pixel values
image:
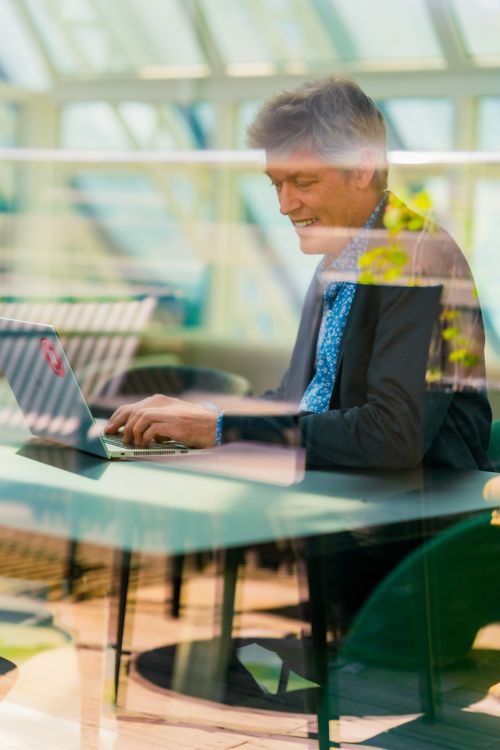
(427, 642)
(177, 571)
(71, 566)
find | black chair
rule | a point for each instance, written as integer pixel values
(171, 380)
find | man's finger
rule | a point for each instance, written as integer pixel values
(118, 419)
(143, 422)
(156, 431)
(128, 431)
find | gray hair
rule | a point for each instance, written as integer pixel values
(332, 117)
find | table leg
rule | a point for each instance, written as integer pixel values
(118, 616)
(317, 604)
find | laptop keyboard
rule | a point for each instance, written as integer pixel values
(117, 440)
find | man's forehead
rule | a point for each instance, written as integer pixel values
(295, 163)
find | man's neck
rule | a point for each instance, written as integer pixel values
(369, 206)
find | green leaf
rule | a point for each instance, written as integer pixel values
(458, 355)
(433, 375)
(365, 260)
(415, 223)
(422, 201)
(391, 274)
(366, 277)
(393, 218)
(450, 333)
(449, 315)
(398, 257)
(470, 359)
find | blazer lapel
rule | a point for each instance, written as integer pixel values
(304, 354)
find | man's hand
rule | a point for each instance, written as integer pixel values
(163, 418)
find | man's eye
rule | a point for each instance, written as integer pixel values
(304, 185)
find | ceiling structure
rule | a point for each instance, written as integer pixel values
(219, 49)
(184, 75)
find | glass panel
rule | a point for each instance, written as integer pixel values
(163, 126)
(142, 120)
(97, 125)
(120, 38)
(277, 32)
(247, 114)
(294, 30)
(9, 122)
(92, 125)
(238, 35)
(407, 33)
(204, 123)
(489, 117)
(419, 124)
(9, 132)
(479, 24)
(52, 34)
(98, 52)
(20, 61)
(77, 11)
(135, 218)
(176, 126)
(166, 34)
(125, 29)
(486, 231)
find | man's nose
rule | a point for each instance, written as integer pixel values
(288, 199)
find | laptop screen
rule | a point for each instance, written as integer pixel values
(45, 386)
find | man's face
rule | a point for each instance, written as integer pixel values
(325, 205)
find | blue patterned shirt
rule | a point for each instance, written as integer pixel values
(337, 301)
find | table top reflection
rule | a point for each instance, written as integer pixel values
(235, 495)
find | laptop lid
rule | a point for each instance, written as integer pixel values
(46, 389)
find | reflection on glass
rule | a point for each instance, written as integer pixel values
(20, 61)
(51, 28)
(485, 238)
(419, 124)
(391, 40)
(480, 29)
(119, 38)
(489, 114)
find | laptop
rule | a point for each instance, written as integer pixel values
(49, 395)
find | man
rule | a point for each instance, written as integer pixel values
(375, 321)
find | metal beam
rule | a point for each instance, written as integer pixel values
(448, 35)
(220, 89)
(204, 35)
(106, 24)
(31, 28)
(68, 32)
(10, 93)
(336, 28)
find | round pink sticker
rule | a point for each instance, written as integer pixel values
(53, 359)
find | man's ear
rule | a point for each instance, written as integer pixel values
(365, 170)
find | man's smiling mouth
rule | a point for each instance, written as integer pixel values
(304, 223)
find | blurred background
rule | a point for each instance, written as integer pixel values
(124, 173)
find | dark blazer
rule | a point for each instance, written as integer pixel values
(382, 414)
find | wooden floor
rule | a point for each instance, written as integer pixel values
(59, 698)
